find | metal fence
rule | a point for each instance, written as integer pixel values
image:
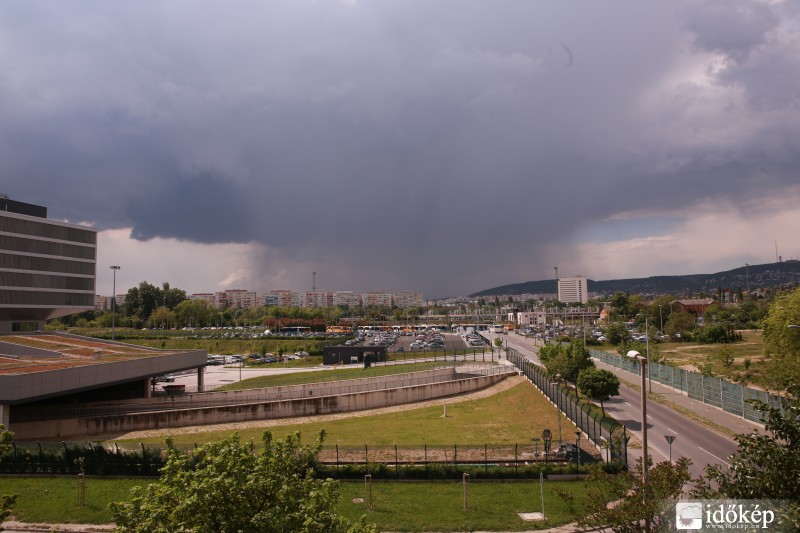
(603, 430)
(730, 397)
(242, 396)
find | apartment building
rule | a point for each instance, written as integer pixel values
(316, 299)
(240, 298)
(380, 299)
(347, 298)
(404, 299)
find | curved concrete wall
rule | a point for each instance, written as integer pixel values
(315, 405)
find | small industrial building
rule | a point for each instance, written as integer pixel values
(351, 355)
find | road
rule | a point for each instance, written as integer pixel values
(693, 440)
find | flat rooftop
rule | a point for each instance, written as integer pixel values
(66, 352)
(39, 365)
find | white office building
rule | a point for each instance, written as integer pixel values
(573, 290)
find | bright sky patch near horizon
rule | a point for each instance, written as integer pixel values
(445, 147)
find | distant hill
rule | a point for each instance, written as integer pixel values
(768, 275)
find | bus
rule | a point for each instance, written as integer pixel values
(339, 329)
(496, 328)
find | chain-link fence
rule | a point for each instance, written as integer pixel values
(604, 431)
(730, 397)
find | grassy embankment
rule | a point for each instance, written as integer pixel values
(511, 416)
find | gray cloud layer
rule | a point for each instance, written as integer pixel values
(402, 144)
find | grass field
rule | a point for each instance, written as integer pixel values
(431, 506)
(301, 378)
(693, 356)
(439, 506)
(510, 417)
(56, 500)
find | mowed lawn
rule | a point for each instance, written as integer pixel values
(428, 506)
(513, 416)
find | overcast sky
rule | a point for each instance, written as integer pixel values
(444, 146)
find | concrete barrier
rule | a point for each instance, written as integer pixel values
(262, 410)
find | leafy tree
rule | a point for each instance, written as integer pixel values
(715, 334)
(141, 301)
(638, 507)
(765, 466)
(781, 343)
(680, 322)
(617, 333)
(567, 360)
(619, 302)
(6, 500)
(725, 356)
(197, 312)
(171, 297)
(163, 317)
(629, 345)
(228, 486)
(598, 385)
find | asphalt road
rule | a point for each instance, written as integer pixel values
(693, 440)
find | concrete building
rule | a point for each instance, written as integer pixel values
(404, 299)
(379, 299)
(316, 299)
(348, 298)
(47, 267)
(573, 290)
(237, 298)
(47, 270)
(207, 296)
(282, 298)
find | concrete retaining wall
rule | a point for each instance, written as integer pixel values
(287, 392)
(311, 406)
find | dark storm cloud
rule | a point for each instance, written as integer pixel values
(453, 144)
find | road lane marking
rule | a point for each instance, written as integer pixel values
(672, 430)
(715, 457)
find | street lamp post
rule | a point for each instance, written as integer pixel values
(647, 351)
(636, 355)
(578, 451)
(114, 269)
(559, 405)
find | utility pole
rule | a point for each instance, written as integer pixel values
(747, 277)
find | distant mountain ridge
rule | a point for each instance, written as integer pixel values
(757, 276)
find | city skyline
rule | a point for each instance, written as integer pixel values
(402, 145)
